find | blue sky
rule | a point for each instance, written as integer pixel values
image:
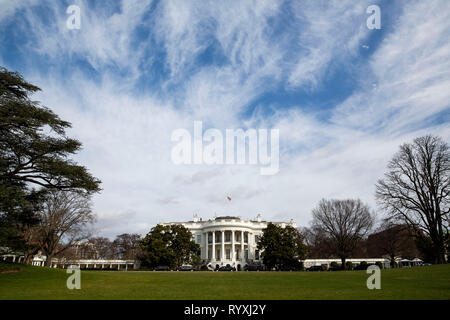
(344, 97)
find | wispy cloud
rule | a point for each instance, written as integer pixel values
(137, 70)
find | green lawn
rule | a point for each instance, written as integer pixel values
(43, 283)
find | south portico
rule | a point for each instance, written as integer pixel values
(226, 246)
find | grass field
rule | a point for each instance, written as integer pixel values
(431, 282)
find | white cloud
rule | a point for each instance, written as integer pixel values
(126, 136)
(10, 7)
(327, 31)
(104, 40)
(411, 69)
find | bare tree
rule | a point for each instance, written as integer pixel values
(317, 244)
(105, 248)
(416, 190)
(344, 222)
(64, 220)
(393, 240)
(126, 245)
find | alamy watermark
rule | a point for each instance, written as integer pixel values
(74, 20)
(238, 147)
(74, 281)
(374, 281)
(374, 20)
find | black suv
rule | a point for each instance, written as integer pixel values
(254, 267)
(315, 268)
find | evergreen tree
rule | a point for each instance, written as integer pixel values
(168, 246)
(34, 152)
(282, 248)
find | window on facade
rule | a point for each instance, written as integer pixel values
(256, 254)
(209, 238)
(209, 254)
(245, 237)
(228, 255)
(199, 238)
(246, 255)
(227, 237)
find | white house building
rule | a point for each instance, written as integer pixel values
(228, 240)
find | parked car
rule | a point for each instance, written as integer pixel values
(162, 268)
(335, 268)
(254, 267)
(227, 268)
(186, 268)
(315, 268)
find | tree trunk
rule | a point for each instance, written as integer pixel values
(438, 251)
(27, 259)
(48, 262)
(343, 263)
(440, 254)
(392, 261)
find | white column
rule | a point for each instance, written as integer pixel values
(242, 247)
(213, 255)
(206, 245)
(250, 245)
(233, 254)
(223, 246)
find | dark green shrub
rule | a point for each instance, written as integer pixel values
(349, 265)
(362, 266)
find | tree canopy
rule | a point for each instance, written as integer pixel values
(281, 247)
(34, 147)
(392, 240)
(34, 156)
(169, 246)
(126, 246)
